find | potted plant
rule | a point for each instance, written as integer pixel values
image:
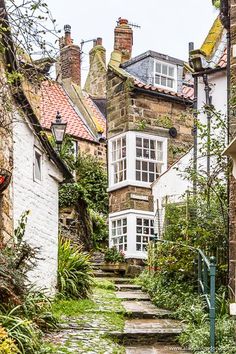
(114, 259)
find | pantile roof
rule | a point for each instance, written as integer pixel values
(187, 92)
(53, 99)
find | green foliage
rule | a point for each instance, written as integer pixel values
(92, 176)
(187, 306)
(100, 229)
(112, 255)
(216, 3)
(72, 307)
(75, 276)
(7, 345)
(105, 284)
(70, 193)
(24, 333)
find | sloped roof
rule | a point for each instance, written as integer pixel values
(187, 92)
(53, 99)
(99, 118)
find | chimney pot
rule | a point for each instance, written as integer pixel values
(67, 29)
(99, 41)
(122, 21)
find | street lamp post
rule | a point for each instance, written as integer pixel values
(58, 129)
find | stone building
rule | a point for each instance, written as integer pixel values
(149, 127)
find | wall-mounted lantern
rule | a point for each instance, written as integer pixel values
(58, 129)
(5, 178)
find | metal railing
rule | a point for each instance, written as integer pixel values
(206, 286)
(206, 281)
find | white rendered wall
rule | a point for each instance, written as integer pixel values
(172, 183)
(41, 198)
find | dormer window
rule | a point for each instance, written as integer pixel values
(165, 75)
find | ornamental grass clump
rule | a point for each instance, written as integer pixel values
(75, 273)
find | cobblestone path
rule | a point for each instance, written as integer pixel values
(118, 320)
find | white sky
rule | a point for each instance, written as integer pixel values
(166, 25)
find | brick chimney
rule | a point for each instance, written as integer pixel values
(70, 58)
(123, 39)
(95, 83)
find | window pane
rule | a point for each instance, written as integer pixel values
(125, 221)
(164, 69)
(138, 247)
(153, 155)
(152, 144)
(151, 166)
(144, 166)
(124, 141)
(37, 166)
(157, 79)
(163, 81)
(138, 152)
(146, 143)
(138, 165)
(139, 142)
(138, 238)
(146, 153)
(144, 177)
(125, 230)
(151, 177)
(171, 71)
(139, 230)
(146, 222)
(118, 223)
(158, 67)
(124, 152)
(139, 221)
(138, 176)
(170, 83)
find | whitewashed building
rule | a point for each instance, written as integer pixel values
(209, 64)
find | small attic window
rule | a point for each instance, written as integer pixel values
(165, 75)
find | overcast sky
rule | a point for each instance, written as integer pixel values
(166, 25)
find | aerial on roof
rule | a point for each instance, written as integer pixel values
(53, 99)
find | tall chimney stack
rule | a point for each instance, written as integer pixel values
(123, 39)
(70, 58)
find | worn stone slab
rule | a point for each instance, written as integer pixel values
(101, 274)
(153, 326)
(140, 332)
(132, 295)
(144, 309)
(127, 287)
(156, 349)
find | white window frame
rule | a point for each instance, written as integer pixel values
(119, 233)
(131, 159)
(167, 76)
(131, 215)
(144, 236)
(39, 152)
(119, 161)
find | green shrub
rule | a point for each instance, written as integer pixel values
(75, 274)
(7, 345)
(112, 255)
(100, 229)
(23, 331)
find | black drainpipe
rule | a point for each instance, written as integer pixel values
(207, 107)
(195, 117)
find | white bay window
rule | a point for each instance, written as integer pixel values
(136, 159)
(131, 231)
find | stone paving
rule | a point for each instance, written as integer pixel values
(119, 322)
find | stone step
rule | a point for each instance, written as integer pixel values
(157, 348)
(149, 331)
(132, 295)
(127, 287)
(119, 280)
(101, 274)
(144, 309)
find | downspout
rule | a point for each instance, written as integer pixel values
(207, 106)
(195, 119)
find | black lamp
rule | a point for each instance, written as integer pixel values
(58, 129)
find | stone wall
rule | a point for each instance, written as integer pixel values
(95, 83)
(131, 197)
(97, 150)
(6, 161)
(129, 109)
